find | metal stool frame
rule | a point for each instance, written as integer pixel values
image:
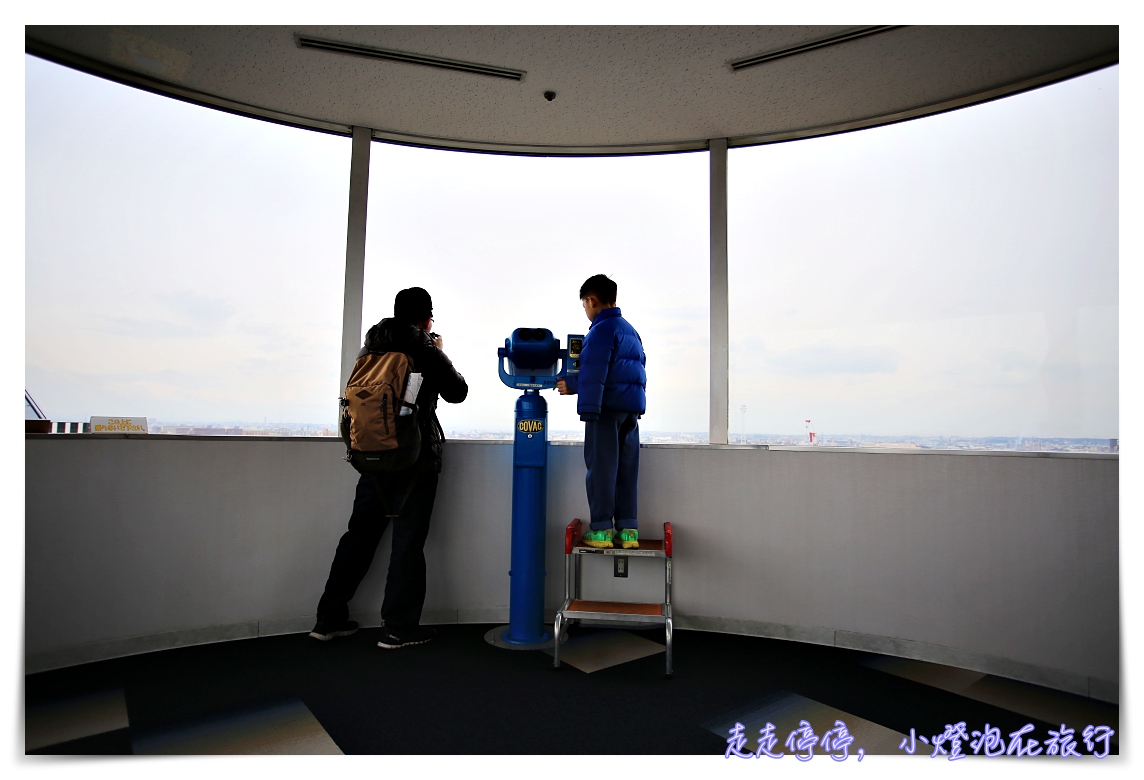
(574, 609)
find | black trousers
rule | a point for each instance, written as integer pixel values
(405, 584)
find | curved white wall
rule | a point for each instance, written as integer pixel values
(1005, 563)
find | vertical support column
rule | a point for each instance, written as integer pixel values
(720, 326)
(355, 252)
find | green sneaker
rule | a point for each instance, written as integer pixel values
(629, 538)
(598, 538)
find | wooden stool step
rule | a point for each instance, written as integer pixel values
(615, 607)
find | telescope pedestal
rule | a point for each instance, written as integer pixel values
(529, 503)
(528, 362)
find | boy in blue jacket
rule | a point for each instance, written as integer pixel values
(611, 387)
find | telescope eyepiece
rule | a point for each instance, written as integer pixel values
(531, 334)
(533, 348)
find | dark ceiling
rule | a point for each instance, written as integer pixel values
(617, 89)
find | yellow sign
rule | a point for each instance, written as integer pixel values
(119, 425)
(530, 426)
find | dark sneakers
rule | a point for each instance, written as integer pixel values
(394, 639)
(327, 631)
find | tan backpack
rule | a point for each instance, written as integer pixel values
(378, 437)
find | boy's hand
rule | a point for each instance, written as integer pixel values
(562, 387)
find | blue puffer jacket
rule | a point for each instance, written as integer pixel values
(612, 374)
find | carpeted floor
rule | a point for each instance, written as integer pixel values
(460, 695)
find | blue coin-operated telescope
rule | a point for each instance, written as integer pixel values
(528, 361)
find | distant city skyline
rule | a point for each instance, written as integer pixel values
(866, 441)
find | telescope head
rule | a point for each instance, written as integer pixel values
(532, 355)
(533, 348)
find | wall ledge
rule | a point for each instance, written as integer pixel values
(333, 440)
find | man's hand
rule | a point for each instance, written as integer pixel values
(438, 342)
(562, 387)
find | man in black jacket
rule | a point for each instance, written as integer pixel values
(407, 331)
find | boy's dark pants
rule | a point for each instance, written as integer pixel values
(405, 583)
(612, 455)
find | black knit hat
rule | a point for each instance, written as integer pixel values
(412, 305)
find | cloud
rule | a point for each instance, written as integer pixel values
(196, 310)
(185, 314)
(825, 359)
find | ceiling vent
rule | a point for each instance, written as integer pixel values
(339, 47)
(822, 43)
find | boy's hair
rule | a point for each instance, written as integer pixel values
(412, 306)
(600, 286)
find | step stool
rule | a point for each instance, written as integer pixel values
(575, 609)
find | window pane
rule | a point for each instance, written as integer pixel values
(953, 276)
(182, 263)
(504, 242)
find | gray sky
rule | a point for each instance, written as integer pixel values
(952, 275)
(181, 262)
(505, 242)
(949, 275)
